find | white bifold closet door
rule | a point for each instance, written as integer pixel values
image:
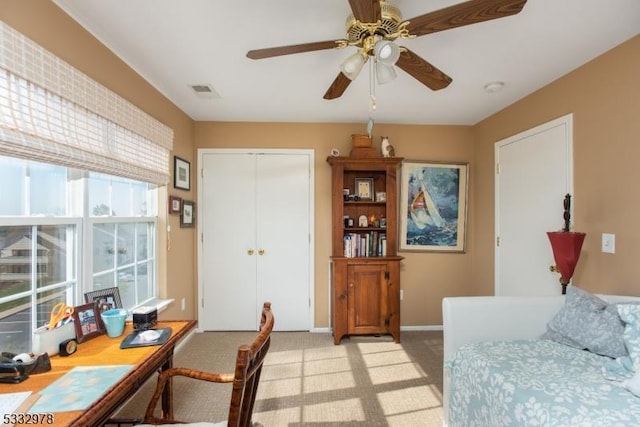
(256, 239)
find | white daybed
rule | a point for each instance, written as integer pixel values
(499, 371)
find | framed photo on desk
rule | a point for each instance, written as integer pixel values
(87, 321)
(104, 299)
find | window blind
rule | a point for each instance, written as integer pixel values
(51, 112)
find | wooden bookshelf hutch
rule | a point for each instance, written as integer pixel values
(365, 262)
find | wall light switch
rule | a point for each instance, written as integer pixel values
(608, 243)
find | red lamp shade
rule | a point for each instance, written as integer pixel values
(566, 247)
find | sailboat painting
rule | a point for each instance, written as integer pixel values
(433, 206)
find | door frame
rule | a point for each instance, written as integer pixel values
(567, 121)
(309, 152)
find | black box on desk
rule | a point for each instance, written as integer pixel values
(144, 318)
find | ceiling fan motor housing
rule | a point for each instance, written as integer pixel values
(390, 23)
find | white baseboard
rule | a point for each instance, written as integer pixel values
(326, 330)
(402, 328)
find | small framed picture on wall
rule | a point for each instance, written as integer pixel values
(188, 214)
(181, 174)
(175, 204)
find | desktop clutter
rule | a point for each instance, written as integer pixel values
(68, 326)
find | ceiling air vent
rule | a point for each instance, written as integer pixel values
(205, 91)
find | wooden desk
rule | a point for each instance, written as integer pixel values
(103, 350)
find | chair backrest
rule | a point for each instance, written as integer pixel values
(248, 369)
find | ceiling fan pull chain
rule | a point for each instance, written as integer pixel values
(372, 84)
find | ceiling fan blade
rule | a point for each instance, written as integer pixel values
(366, 10)
(288, 50)
(338, 87)
(422, 71)
(462, 14)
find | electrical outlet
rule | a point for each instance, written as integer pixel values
(401, 294)
(184, 304)
(608, 243)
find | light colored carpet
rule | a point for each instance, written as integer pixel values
(309, 381)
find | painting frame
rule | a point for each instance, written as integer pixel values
(175, 204)
(187, 214)
(92, 327)
(364, 188)
(104, 299)
(181, 174)
(439, 186)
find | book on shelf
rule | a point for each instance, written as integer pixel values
(367, 244)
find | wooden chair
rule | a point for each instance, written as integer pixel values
(245, 379)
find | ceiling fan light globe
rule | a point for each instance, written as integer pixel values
(384, 73)
(352, 65)
(386, 52)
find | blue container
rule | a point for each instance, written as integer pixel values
(114, 321)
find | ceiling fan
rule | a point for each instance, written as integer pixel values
(374, 25)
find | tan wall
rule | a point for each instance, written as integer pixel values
(604, 97)
(425, 277)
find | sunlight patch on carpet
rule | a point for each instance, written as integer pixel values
(281, 371)
(329, 382)
(378, 347)
(327, 366)
(324, 353)
(279, 388)
(283, 357)
(385, 358)
(410, 399)
(346, 411)
(394, 373)
(278, 417)
(427, 418)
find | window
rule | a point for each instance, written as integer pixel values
(48, 214)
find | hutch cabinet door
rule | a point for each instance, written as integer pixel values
(367, 298)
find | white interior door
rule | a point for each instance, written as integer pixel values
(533, 174)
(283, 237)
(227, 212)
(255, 215)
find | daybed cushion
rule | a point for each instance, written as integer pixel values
(588, 322)
(534, 383)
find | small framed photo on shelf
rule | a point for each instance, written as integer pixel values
(188, 214)
(87, 321)
(364, 188)
(181, 174)
(104, 299)
(175, 203)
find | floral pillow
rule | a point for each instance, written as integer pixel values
(627, 368)
(588, 322)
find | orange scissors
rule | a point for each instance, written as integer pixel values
(59, 312)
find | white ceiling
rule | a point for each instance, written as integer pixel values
(177, 43)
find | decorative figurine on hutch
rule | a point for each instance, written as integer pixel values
(387, 148)
(566, 246)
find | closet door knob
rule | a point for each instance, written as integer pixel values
(260, 251)
(250, 252)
